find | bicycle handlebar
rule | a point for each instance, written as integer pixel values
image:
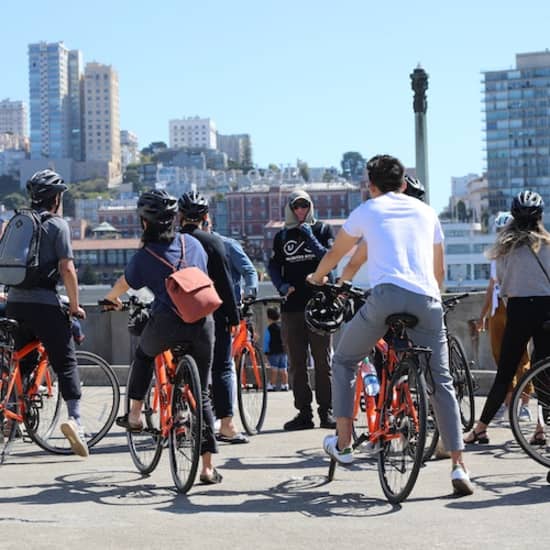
(450, 303)
(132, 302)
(345, 288)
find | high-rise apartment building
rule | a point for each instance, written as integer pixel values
(517, 113)
(101, 114)
(237, 147)
(13, 118)
(193, 132)
(55, 88)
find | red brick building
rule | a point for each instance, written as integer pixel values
(250, 210)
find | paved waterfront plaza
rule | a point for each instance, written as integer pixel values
(274, 494)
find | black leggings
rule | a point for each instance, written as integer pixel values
(51, 325)
(163, 331)
(525, 318)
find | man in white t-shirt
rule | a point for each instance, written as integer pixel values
(406, 268)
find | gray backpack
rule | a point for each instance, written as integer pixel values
(20, 249)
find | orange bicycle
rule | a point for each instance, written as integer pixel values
(172, 412)
(391, 425)
(251, 369)
(31, 403)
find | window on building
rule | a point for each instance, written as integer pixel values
(482, 271)
(458, 248)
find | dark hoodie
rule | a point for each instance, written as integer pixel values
(297, 251)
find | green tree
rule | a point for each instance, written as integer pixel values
(87, 276)
(274, 167)
(15, 200)
(461, 213)
(303, 169)
(353, 164)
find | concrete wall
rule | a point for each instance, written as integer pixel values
(107, 335)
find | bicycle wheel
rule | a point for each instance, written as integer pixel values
(146, 446)
(98, 406)
(251, 389)
(403, 420)
(462, 382)
(186, 431)
(43, 411)
(8, 427)
(539, 409)
(432, 434)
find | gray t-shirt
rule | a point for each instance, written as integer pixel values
(55, 245)
(520, 275)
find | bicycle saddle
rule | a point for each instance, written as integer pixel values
(8, 325)
(410, 321)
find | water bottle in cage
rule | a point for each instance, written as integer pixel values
(369, 376)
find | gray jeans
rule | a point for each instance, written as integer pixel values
(368, 326)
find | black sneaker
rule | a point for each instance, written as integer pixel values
(301, 421)
(328, 422)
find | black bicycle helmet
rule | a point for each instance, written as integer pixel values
(157, 206)
(193, 206)
(527, 205)
(44, 185)
(324, 314)
(415, 188)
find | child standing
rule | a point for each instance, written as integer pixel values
(274, 350)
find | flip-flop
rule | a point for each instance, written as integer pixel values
(235, 439)
(216, 477)
(123, 422)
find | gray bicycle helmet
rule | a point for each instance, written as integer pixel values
(44, 185)
(157, 206)
(527, 205)
(193, 206)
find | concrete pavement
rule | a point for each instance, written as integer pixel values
(274, 495)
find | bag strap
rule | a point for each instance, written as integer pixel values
(540, 263)
(182, 259)
(166, 262)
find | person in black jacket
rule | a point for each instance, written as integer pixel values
(297, 251)
(193, 209)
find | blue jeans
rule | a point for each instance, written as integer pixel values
(223, 373)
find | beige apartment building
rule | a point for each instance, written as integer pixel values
(13, 118)
(102, 116)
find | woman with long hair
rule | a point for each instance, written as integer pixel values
(522, 254)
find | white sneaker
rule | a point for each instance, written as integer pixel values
(271, 387)
(461, 481)
(344, 457)
(74, 432)
(524, 414)
(501, 413)
(284, 387)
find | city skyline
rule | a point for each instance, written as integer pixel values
(311, 80)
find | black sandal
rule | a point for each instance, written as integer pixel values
(216, 477)
(538, 439)
(124, 422)
(478, 437)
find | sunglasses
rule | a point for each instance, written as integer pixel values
(300, 204)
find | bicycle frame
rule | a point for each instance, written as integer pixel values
(374, 405)
(165, 371)
(15, 380)
(241, 341)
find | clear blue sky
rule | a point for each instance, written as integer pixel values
(306, 79)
